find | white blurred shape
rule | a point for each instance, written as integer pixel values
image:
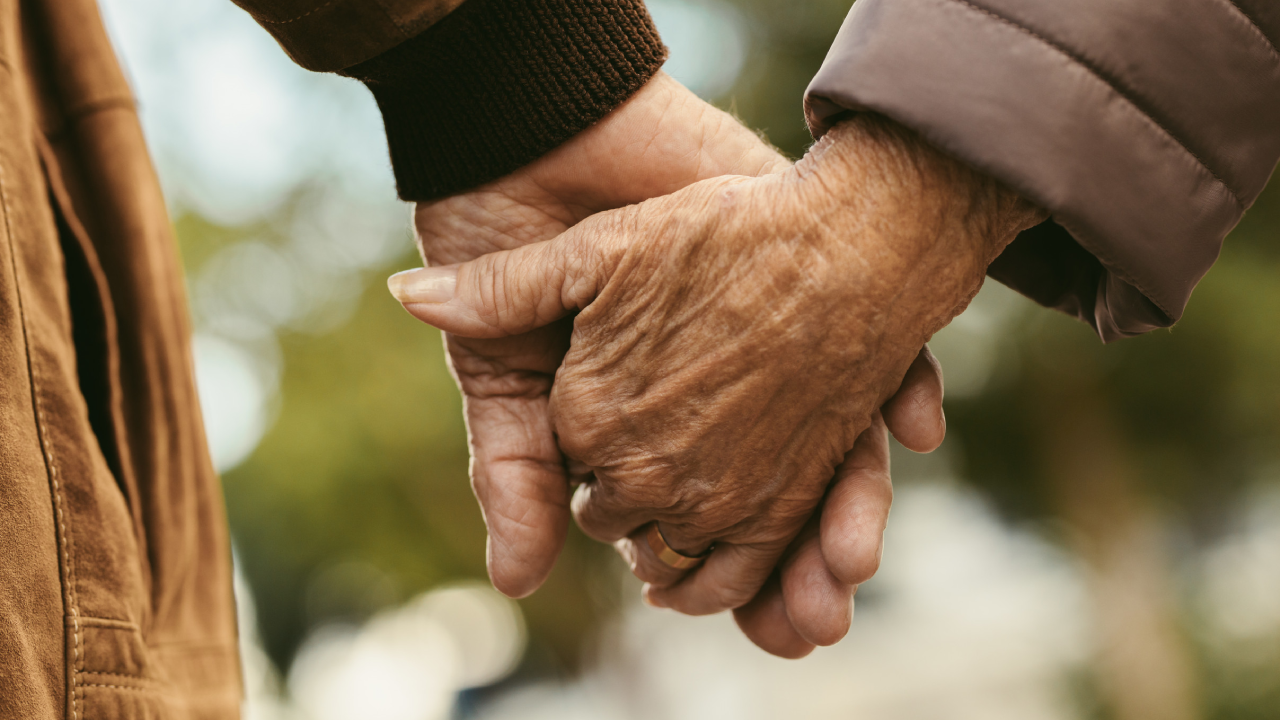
(234, 397)
(971, 620)
(707, 40)
(969, 348)
(235, 126)
(1240, 578)
(487, 629)
(241, 126)
(409, 663)
(248, 289)
(399, 667)
(333, 232)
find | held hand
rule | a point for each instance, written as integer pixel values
(664, 138)
(660, 141)
(736, 337)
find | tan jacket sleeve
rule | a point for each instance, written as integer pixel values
(1146, 127)
(470, 91)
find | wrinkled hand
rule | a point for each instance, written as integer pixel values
(663, 139)
(734, 341)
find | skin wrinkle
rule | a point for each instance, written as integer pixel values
(526, 506)
(513, 225)
(695, 250)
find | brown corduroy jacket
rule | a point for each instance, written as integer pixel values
(1145, 126)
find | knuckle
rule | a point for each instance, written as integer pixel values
(593, 520)
(582, 429)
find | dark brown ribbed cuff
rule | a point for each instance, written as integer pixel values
(497, 84)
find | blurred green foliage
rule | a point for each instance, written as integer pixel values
(1199, 403)
(358, 496)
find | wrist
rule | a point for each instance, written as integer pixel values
(660, 140)
(933, 223)
(906, 180)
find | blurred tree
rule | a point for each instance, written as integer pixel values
(1130, 445)
(358, 496)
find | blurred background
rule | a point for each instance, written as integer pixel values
(1099, 537)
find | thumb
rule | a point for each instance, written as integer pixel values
(513, 291)
(518, 476)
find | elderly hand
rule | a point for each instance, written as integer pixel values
(664, 138)
(734, 340)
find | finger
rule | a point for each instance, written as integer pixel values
(764, 621)
(644, 563)
(514, 291)
(819, 605)
(605, 515)
(730, 577)
(856, 509)
(518, 477)
(914, 414)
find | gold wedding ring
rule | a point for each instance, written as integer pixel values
(671, 557)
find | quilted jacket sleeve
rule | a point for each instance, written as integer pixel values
(1146, 128)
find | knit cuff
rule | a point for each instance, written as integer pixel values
(497, 84)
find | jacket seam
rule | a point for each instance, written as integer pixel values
(1081, 62)
(1111, 266)
(312, 11)
(102, 623)
(127, 676)
(383, 7)
(135, 688)
(1257, 28)
(75, 114)
(51, 467)
(83, 110)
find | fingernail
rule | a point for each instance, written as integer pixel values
(424, 285)
(646, 594)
